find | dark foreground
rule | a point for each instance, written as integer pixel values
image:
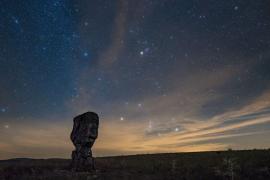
(251, 164)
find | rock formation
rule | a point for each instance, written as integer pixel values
(83, 136)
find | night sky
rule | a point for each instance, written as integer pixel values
(164, 76)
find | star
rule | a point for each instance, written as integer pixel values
(139, 105)
(122, 119)
(201, 17)
(141, 53)
(16, 21)
(176, 129)
(6, 126)
(3, 110)
(85, 54)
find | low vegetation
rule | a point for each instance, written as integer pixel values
(231, 165)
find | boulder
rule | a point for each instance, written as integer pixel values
(83, 136)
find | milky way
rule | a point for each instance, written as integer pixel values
(164, 76)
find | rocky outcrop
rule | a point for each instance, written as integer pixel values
(83, 136)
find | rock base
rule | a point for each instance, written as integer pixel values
(82, 163)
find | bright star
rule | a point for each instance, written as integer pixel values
(85, 54)
(6, 126)
(141, 53)
(121, 118)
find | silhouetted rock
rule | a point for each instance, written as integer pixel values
(83, 136)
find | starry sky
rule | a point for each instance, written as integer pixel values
(164, 76)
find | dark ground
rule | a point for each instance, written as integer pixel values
(248, 164)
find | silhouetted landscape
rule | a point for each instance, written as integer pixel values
(140, 90)
(245, 164)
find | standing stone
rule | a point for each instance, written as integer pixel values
(83, 136)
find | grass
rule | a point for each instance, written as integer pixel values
(231, 165)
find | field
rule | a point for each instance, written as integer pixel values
(247, 164)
